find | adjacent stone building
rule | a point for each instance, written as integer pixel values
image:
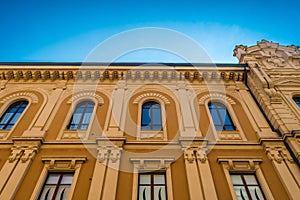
(148, 131)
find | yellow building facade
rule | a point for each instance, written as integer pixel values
(148, 131)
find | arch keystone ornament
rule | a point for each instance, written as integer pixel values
(33, 97)
(150, 95)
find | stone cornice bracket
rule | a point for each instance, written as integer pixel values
(15, 154)
(276, 151)
(189, 155)
(201, 155)
(24, 148)
(102, 155)
(109, 149)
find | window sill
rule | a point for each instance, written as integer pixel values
(229, 135)
(3, 133)
(152, 135)
(73, 134)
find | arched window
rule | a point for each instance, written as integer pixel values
(297, 101)
(220, 116)
(151, 116)
(12, 114)
(82, 115)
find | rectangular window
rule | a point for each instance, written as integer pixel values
(246, 187)
(57, 186)
(152, 186)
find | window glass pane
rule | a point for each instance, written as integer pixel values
(236, 179)
(250, 179)
(159, 179)
(144, 193)
(146, 128)
(12, 114)
(6, 118)
(67, 179)
(53, 179)
(159, 193)
(86, 118)
(146, 117)
(47, 192)
(241, 193)
(156, 116)
(145, 178)
(220, 116)
(256, 192)
(62, 192)
(297, 101)
(156, 128)
(222, 113)
(83, 127)
(15, 118)
(81, 116)
(57, 186)
(215, 117)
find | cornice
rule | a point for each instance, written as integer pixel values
(102, 73)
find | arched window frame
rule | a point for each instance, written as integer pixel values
(236, 134)
(85, 105)
(78, 134)
(4, 134)
(143, 134)
(151, 104)
(218, 106)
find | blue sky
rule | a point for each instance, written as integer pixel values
(68, 30)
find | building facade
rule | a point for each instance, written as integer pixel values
(147, 131)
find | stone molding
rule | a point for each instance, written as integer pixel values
(150, 95)
(33, 97)
(24, 149)
(277, 151)
(216, 96)
(84, 94)
(269, 54)
(240, 163)
(63, 162)
(105, 73)
(152, 163)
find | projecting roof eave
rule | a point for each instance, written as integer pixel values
(120, 64)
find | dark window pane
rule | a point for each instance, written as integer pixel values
(220, 116)
(297, 101)
(151, 116)
(81, 116)
(12, 114)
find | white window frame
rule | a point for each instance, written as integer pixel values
(59, 164)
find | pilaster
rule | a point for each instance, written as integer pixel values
(189, 127)
(106, 171)
(17, 165)
(285, 167)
